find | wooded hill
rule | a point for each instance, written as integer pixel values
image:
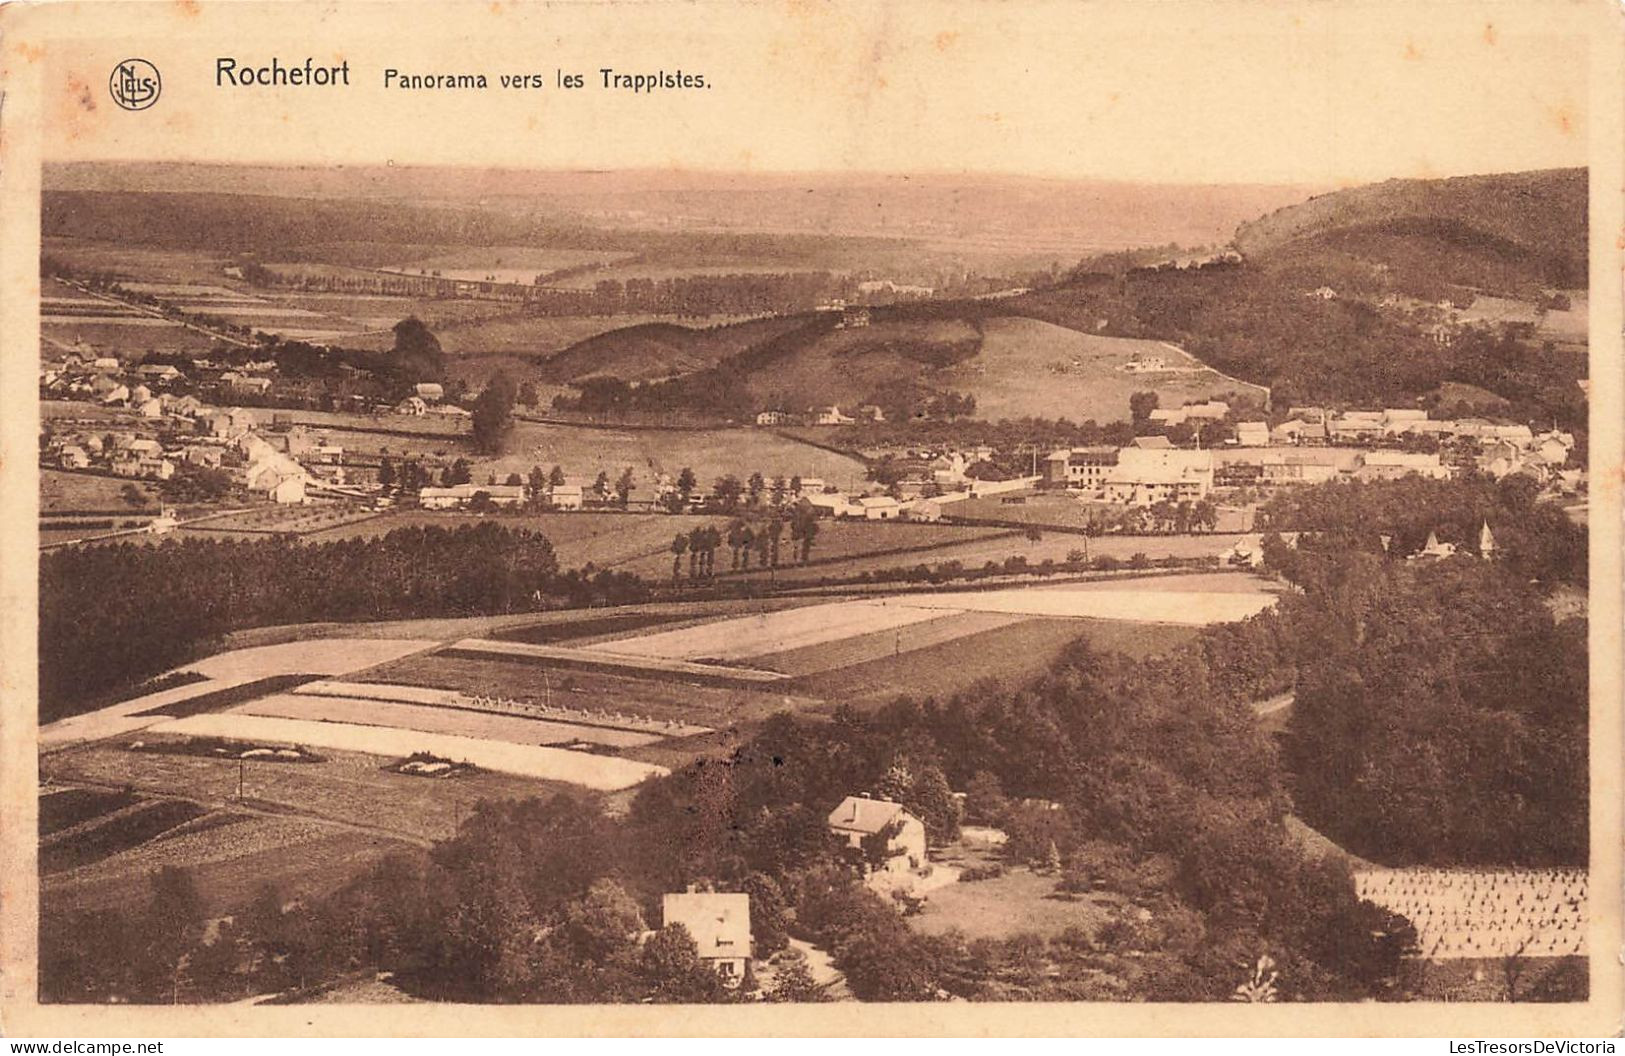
(1505, 231)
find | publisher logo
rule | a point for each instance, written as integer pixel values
(135, 84)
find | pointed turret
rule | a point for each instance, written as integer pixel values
(1486, 542)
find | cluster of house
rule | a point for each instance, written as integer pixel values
(83, 374)
(1502, 448)
(830, 415)
(210, 438)
(1152, 470)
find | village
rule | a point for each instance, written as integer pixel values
(149, 422)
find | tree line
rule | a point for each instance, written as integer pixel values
(111, 616)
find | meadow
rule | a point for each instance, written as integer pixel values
(1004, 656)
(63, 492)
(1026, 367)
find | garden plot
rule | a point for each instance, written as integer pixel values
(1198, 608)
(878, 645)
(601, 773)
(324, 656)
(773, 632)
(502, 704)
(612, 657)
(230, 861)
(460, 722)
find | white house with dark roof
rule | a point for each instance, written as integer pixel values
(858, 817)
(718, 923)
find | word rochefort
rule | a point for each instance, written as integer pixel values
(275, 74)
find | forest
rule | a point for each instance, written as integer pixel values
(1256, 323)
(1441, 712)
(111, 616)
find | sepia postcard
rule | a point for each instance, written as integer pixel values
(811, 518)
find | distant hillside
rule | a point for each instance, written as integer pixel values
(1506, 232)
(908, 359)
(351, 230)
(238, 223)
(1014, 216)
(659, 350)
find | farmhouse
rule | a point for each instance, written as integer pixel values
(199, 455)
(860, 817)
(1299, 470)
(566, 497)
(73, 457)
(145, 467)
(718, 923)
(772, 418)
(183, 406)
(1297, 431)
(833, 503)
(232, 423)
(412, 405)
(244, 383)
(1209, 411)
(1253, 434)
(1080, 467)
(1143, 477)
(511, 495)
(1392, 465)
(831, 416)
(288, 491)
(880, 508)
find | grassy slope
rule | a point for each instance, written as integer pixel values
(1028, 367)
(659, 349)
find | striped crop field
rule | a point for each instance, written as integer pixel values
(597, 772)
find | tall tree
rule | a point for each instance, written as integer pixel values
(417, 355)
(679, 546)
(493, 414)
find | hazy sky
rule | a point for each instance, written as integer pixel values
(1223, 92)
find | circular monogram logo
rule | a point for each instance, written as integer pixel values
(135, 84)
